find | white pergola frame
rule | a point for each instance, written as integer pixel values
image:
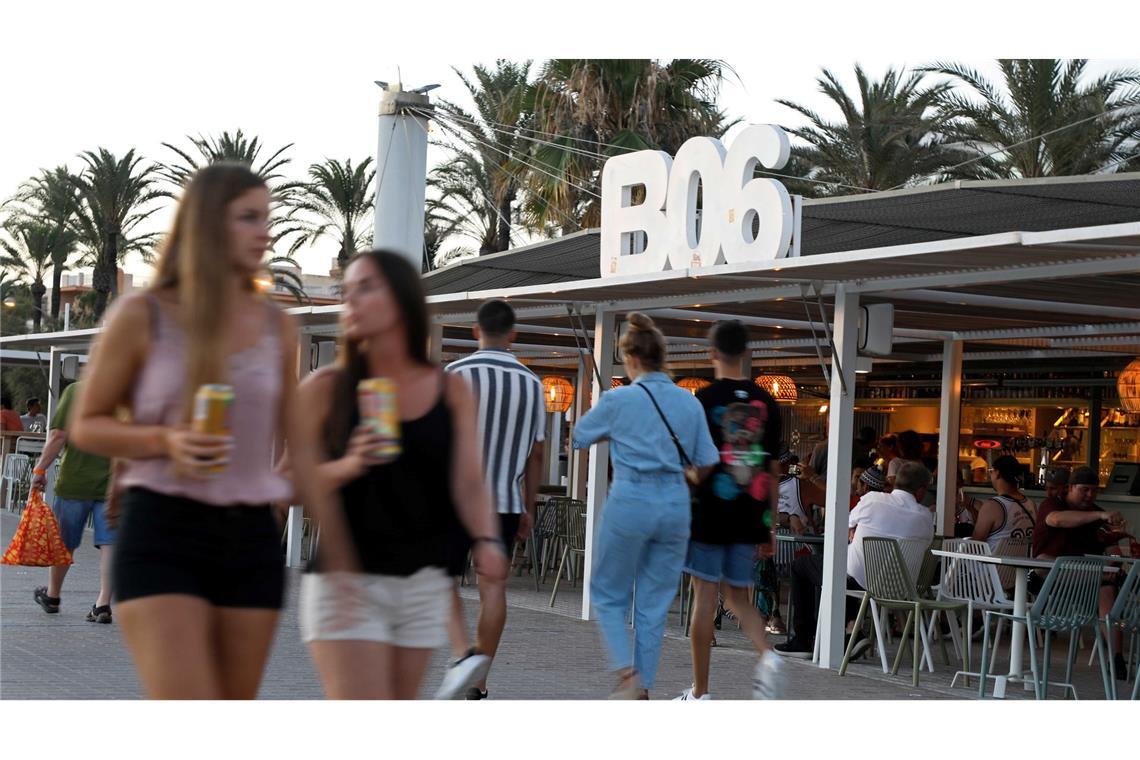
(840, 277)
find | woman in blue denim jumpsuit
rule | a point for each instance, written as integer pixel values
(644, 529)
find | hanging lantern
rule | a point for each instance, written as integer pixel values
(558, 393)
(782, 387)
(693, 384)
(1128, 386)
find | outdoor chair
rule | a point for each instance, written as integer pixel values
(975, 583)
(1020, 546)
(551, 528)
(575, 542)
(1067, 603)
(1125, 614)
(16, 481)
(890, 586)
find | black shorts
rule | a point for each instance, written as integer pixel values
(461, 543)
(229, 556)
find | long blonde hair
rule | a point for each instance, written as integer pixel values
(195, 263)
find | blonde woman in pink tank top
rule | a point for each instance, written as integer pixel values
(198, 568)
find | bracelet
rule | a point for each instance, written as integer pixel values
(39, 472)
(490, 540)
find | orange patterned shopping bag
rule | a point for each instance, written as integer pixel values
(37, 542)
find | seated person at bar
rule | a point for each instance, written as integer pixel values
(1073, 525)
(910, 450)
(9, 419)
(1056, 482)
(1010, 513)
(898, 514)
(887, 451)
(798, 492)
(865, 481)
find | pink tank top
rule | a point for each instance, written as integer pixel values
(255, 374)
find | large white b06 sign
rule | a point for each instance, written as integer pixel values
(662, 232)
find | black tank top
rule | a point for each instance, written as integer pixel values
(400, 514)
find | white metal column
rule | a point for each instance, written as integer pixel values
(435, 344)
(948, 425)
(401, 171)
(55, 380)
(553, 448)
(841, 433)
(597, 479)
(295, 519)
(578, 458)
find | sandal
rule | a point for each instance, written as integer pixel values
(99, 614)
(628, 687)
(50, 604)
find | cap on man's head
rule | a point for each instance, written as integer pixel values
(874, 478)
(1057, 477)
(1084, 476)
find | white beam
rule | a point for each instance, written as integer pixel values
(949, 412)
(435, 343)
(1021, 304)
(597, 479)
(1052, 331)
(709, 316)
(987, 275)
(840, 437)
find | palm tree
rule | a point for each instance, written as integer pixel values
(439, 224)
(336, 202)
(493, 137)
(26, 252)
(600, 108)
(113, 193)
(1083, 126)
(463, 203)
(284, 271)
(51, 198)
(236, 147)
(889, 136)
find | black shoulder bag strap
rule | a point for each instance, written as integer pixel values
(680, 449)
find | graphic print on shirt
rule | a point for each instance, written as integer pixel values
(744, 458)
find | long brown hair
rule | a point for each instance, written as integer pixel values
(411, 300)
(195, 263)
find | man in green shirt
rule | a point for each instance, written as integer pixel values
(80, 491)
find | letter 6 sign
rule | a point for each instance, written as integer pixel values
(661, 232)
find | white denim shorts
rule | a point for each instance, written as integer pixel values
(409, 611)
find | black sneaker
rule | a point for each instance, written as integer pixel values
(99, 614)
(1120, 667)
(476, 693)
(795, 647)
(50, 604)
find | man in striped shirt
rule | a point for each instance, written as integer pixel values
(512, 418)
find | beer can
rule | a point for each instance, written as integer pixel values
(380, 413)
(212, 405)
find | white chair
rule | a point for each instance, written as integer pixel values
(976, 583)
(16, 480)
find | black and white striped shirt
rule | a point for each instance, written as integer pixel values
(511, 419)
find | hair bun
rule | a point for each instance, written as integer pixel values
(639, 321)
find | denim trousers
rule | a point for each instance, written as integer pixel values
(642, 540)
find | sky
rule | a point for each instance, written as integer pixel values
(120, 75)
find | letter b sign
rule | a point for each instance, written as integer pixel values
(665, 231)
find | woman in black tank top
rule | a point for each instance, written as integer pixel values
(376, 599)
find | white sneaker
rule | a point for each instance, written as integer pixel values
(768, 678)
(462, 675)
(687, 696)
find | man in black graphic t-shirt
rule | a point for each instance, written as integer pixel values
(733, 512)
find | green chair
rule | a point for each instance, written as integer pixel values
(1125, 614)
(890, 586)
(1067, 603)
(574, 543)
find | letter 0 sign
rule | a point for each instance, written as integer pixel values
(665, 230)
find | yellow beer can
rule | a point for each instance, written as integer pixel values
(379, 412)
(212, 405)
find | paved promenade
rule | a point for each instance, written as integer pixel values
(544, 655)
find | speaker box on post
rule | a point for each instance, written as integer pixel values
(876, 323)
